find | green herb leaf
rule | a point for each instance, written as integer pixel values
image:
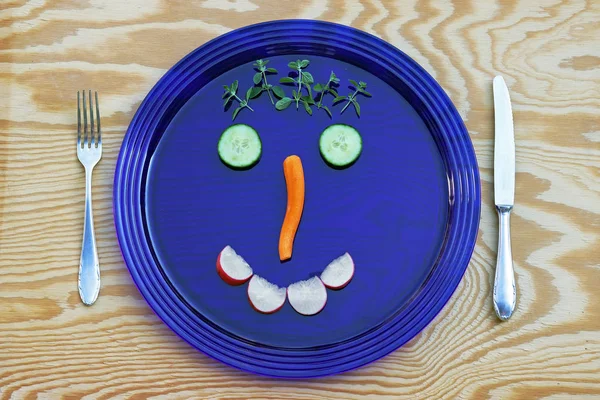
(356, 107)
(287, 79)
(318, 87)
(328, 112)
(333, 92)
(307, 86)
(225, 94)
(271, 70)
(307, 108)
(259, 62)
(332, 76)
(264, 62)
(283, 103)
(307, 78)
(227, 101)
(248, 93)
(255, 91)
(304, 63)
(234, 87)
(308, 99)
(257, 78)
(293, 65)
(226, 88)
(278, 92)
(335, 80)
(339, 98)
(365, 93)
(362, 85)
(235, 112)
(353, 82)
(295, 94)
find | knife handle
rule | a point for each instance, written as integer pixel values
(505, 291)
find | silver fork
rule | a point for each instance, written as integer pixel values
(89, 152)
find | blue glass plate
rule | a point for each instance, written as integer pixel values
(407, 211)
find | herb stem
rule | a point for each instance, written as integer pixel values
(350, 99)
(243, 103)
(323, 93)
(267, 86)
(299, 87)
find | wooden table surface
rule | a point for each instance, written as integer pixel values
(51, 346)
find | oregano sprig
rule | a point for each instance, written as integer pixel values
(231, 93)
(359, 87)
(261, 78)
(303, 80)
(301, 92)
(324, 89)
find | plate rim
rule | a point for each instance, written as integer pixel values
(266, 361)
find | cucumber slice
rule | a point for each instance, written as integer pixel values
(340, 145)
(240, 146)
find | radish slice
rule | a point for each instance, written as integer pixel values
(232, 268)
(265, 296)
(339, 272)
(307, 297)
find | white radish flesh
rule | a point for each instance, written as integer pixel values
(307, 297)
(265, 296)
(232, 268)
(339, 272)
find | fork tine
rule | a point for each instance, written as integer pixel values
(98, 121)
(91, 120)
(85, 124)
(78, 121)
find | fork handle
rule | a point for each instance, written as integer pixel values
(89, 266)
(505, 291)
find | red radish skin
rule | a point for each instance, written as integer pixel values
(307, 297)
(264, 296)
(338, 274)
(232, 268)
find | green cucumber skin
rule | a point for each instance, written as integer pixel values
(333, 163)
(242, 166)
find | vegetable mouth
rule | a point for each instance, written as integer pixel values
(307, 297)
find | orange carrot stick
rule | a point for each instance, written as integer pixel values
(294, 179)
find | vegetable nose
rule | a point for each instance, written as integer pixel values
(294, 180)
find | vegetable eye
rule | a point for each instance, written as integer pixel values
(240, 146)
(340, 145)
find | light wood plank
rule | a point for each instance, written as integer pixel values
(54, 347)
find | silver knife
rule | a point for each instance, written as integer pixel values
(505, 291)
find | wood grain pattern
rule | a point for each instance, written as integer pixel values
(53, 347)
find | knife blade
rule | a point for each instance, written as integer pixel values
(505, 293)
(504, 146)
